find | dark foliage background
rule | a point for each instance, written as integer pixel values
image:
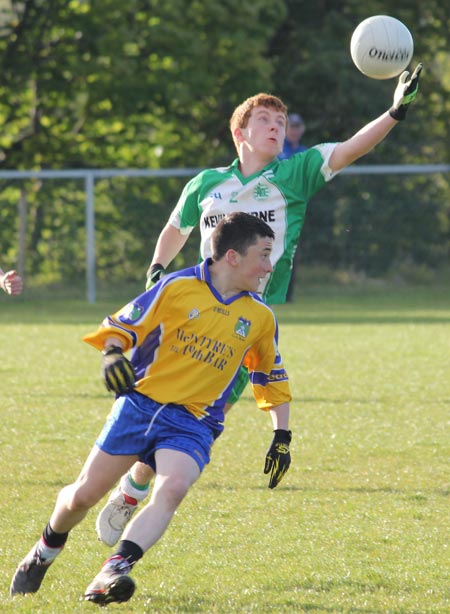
(149, 84)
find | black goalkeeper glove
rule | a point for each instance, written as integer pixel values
(278, 457)
(405, 93)
(154, 274)
(118, 372)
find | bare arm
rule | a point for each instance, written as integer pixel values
(374, 132)
(280, 417)
(362, 142)
(170, 243)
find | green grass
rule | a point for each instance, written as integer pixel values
(361, 522)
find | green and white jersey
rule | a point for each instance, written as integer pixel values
(278, 194)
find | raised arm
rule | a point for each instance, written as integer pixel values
(362, 142)
(375, 131)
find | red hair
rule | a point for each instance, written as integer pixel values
(242, 113)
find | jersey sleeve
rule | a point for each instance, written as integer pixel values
(130, 324)
(326, 149)
(307, 172)
(266, 372)
(187, 212)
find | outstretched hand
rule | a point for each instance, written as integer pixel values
(405, 93)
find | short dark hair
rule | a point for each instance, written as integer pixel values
(238, 231)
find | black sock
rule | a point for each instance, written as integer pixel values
(130, 551)
(53, 539)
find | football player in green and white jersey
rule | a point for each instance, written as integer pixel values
(278, 192)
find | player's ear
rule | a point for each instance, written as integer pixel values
(232, 257)
(238, 136)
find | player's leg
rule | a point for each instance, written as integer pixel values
(179, 447)
(134, 486)
(175, 473)
(116, 449)
(123, 502)
(99, 473)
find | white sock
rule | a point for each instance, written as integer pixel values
(46, 553)
(127, 488)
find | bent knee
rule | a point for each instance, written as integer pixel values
(80, 498)
(175, 489)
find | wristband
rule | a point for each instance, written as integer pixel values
(282, 436)
(156, 272)
(398, 114)
(112, 349)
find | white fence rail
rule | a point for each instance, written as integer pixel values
(90, 175)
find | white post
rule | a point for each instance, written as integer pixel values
(90, 238)
(23, 210)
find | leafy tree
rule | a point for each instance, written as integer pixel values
(151, 84)
(114, 84)
(361, 223)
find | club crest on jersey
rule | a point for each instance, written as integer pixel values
(242, 327)
(261, 191)
(131, 313)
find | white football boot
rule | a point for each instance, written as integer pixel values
(114, 517)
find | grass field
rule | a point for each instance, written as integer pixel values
(360, 524)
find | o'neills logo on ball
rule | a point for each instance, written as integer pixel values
(388, 56)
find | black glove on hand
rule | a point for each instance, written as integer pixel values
(154, 274)
(278, 457)
(405, 93)
(118, 372)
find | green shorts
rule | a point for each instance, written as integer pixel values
(239, 386)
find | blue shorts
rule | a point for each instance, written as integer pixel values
(139, 425)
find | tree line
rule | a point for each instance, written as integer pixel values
(146, 84)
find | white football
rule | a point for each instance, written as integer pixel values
(381, 47)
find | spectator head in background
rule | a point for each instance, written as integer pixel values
(294, 133)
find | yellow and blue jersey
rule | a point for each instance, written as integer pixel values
(188, 343)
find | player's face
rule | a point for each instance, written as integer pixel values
(255, 265)
(265, 132)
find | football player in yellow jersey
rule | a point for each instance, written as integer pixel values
(188, 336)
(278, 192)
